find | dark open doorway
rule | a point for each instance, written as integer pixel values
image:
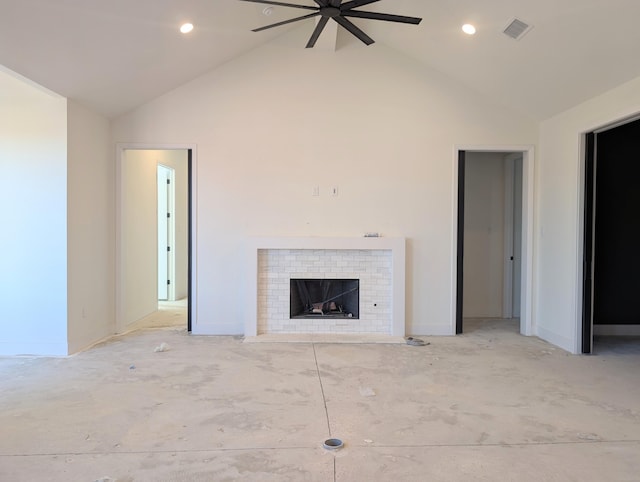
(611, 259)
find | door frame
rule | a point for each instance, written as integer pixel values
(121, 148)
(587, 229)
(528, 178)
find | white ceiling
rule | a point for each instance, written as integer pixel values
(113, 55)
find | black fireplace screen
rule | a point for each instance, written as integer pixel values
(335, 298)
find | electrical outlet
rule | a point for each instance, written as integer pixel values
(334, 191)
(316, 191)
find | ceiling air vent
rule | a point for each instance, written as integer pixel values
(517, 29)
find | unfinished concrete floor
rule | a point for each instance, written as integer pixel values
(489, 405)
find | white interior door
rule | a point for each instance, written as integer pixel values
(513, 236)
(165, 220)
(516, 293)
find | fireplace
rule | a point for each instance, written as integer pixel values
(377, 264)
(326, 298)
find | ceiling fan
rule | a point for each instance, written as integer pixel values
(336, 10)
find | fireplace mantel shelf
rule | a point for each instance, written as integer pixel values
(395, 245)
(319, 242)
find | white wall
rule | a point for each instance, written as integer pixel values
(91, 228)
(139, 228)
(278, 121)
(484, 250)
(559, 192)
(138, 280)
(33, 193)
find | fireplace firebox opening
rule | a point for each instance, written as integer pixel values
(332, 298)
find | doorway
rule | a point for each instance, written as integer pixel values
(154, 245)
(493, 242)
(611, 236)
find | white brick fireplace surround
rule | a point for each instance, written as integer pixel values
(378, 263)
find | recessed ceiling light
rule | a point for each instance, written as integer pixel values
(468, 29)
(186, 27)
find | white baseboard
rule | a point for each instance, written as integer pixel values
(44, 349)
(430, 330)
(555, 339)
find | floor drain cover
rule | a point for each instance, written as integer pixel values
(332, 444)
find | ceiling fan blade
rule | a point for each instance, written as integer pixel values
(311, 15)
(316, 33)
(322, 3)
(281, 4)
(382, 16)
(354, 30)
(356, 4)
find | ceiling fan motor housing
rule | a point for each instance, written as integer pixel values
(330, 12)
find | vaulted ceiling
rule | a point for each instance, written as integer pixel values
(115, 55)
